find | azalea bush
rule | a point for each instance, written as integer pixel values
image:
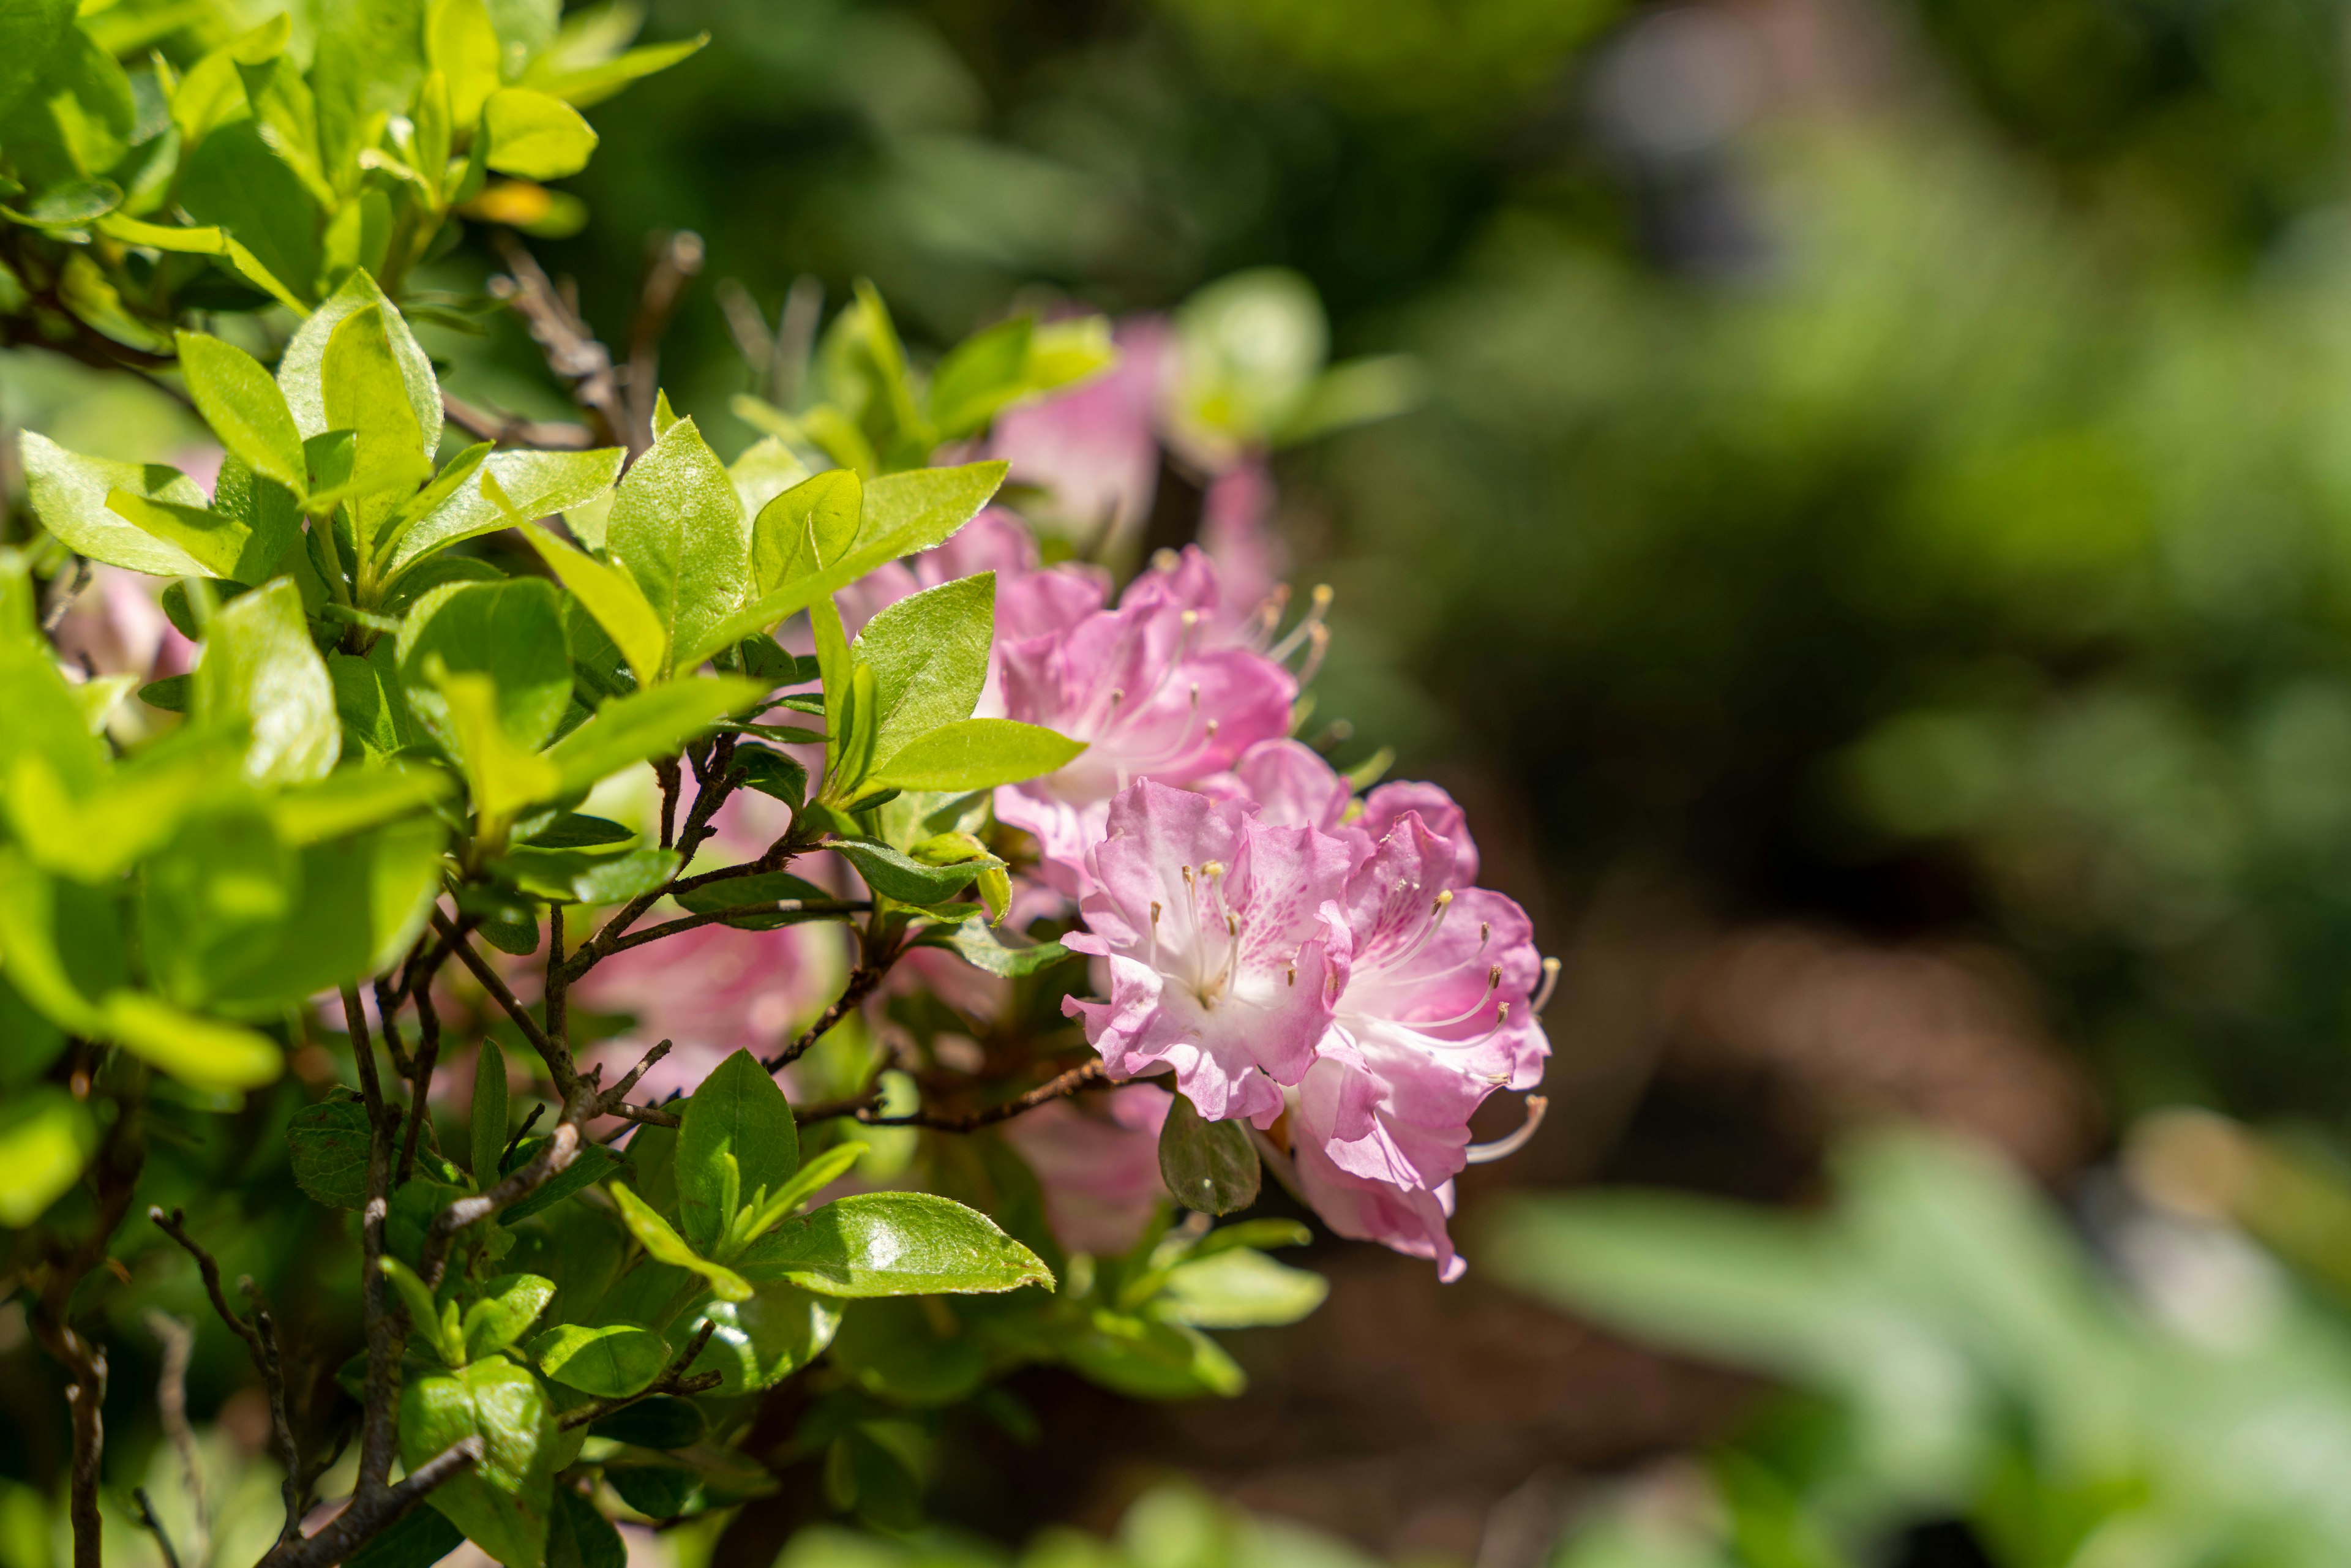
(564, 951)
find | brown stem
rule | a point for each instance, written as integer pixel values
(385, 1329)
(178, 1338)
(558, 1060)
(115, 1174)
(387, 1005)
(1075, 1080)
(373, 1510)
(666, 768)
(677, 258)
(420, 1082)
(558, 984)
(85, 1397)
(862, 981)
(573, 352)
(513, 429)
(715, 916)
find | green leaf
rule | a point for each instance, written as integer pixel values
(574, 876)
(70, 495)
(510, 1303)
(589, 84)
(1146, 1359)
(896, 876)
(46, 1137)
(535, 135)
(665, 1246)
(461, 45)
(503, 777)
(213, 900)
(736, 1137)
(420, 1540)
(244, 408)
(929, 656)
(612, 1361)
(895, 1244)
(591, 1164)
(489, 1123)
(235, 182)
(328, 1144)
(772, 773)
(901, 1351)
(756, 897)
(763, 471)
(363, 901)
(805, 529)
(30, 32)
(812, 1178)
(614, 598)
(536, 484)
(661, 1422)
(646, 724)
(221, 545)
(903, 514)
(579, 1537)
(366, 61)
(351, 799)
(974, 753)
(260, 669)
(502, 1504)
(678, 527)
(1210, 1167)
(758, 1342)
(575, 830)
(510, 631)
(203, 1054)
(1239, 1288)
(301, 371)
(424, 1314)
(367, 395)
(980, 947)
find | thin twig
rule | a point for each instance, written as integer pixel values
(387, 1004)
(155, 1527)
(178, 1338)
(513, 429)
(673, 1380)
(86, 1396)
(115, 1174)
(558, 1061)
(715, 916)
(677, 258)
(862, 981)
(666, 768)
(573, 352)
(557, 987)
(61, 602)
(1075, 1080)
(522, 1132)
(373, 1510)
(420, 1082)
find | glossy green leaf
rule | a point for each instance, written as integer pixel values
(220, 544)
(757, 1343)
(929, 656)
(736, 1137)
(757, 899)
(895, 874)
(260, 669)
(328, 1144)
(244, 408)
(664, 1245)
(981, 949)
(592, 1164)
(894, 1244)
(614, 598)
(592, 83)
(1210, 1167)
(301, 369)
(510, 631)
(536, 484)
(580, 1537)
(461, 44)
(503, 777)
(646, 724)
(1146, 1359)
(510, 1303)
(236, 182)
(678, 527)
(763, 471)
(46, 1137)
(366, 394)
(1237, 1289)
(974, 753)
(612, 1361)
(351, 799)
(903, 514)
(486, 1126)
(574, 876)
(535, 135)
(30, 32)
(70, 495)
(502, 1504)
(805, 529)
(772, 773)
(368, 58)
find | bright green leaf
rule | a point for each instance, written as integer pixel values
(612, 1361)
(665, 1246)
(895, 1244)
(736, 1137)
(535, 135)
(974, 754)
(70, 495)
(614, 598)
(46, 1137)
(510, 1303)
(244, 408)
(502, 1504)
(259, 668)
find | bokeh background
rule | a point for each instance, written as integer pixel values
(1872, 550)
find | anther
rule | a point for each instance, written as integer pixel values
(1549, 980)
(1503, 1148)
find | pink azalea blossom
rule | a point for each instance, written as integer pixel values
(1098, 1160)
(1225, 946)
(1412, 1220)
(1149, 701)
(117, 626)
(1288, 782)
(711, 990)
(1437, 811)
(1234, 534)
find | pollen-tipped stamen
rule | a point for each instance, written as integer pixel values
(1503, 1148)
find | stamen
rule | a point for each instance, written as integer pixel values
(1183, 744)
(1164, 560)
(1503, 1148)
(1318, 643)
(1435, 919)
(1493, 984)
(1293, 975)
(1155, 912)
(1316, 609)
(1549, 980)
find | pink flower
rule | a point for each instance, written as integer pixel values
(1437, 811)
(117, 626)
(1409, 1219)
(1288, 782)
(994, 541)
(1233, 533)
(1225, 946)
(1098, 1161)
(1149, 701)
(712, 991)
(1094, 451)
